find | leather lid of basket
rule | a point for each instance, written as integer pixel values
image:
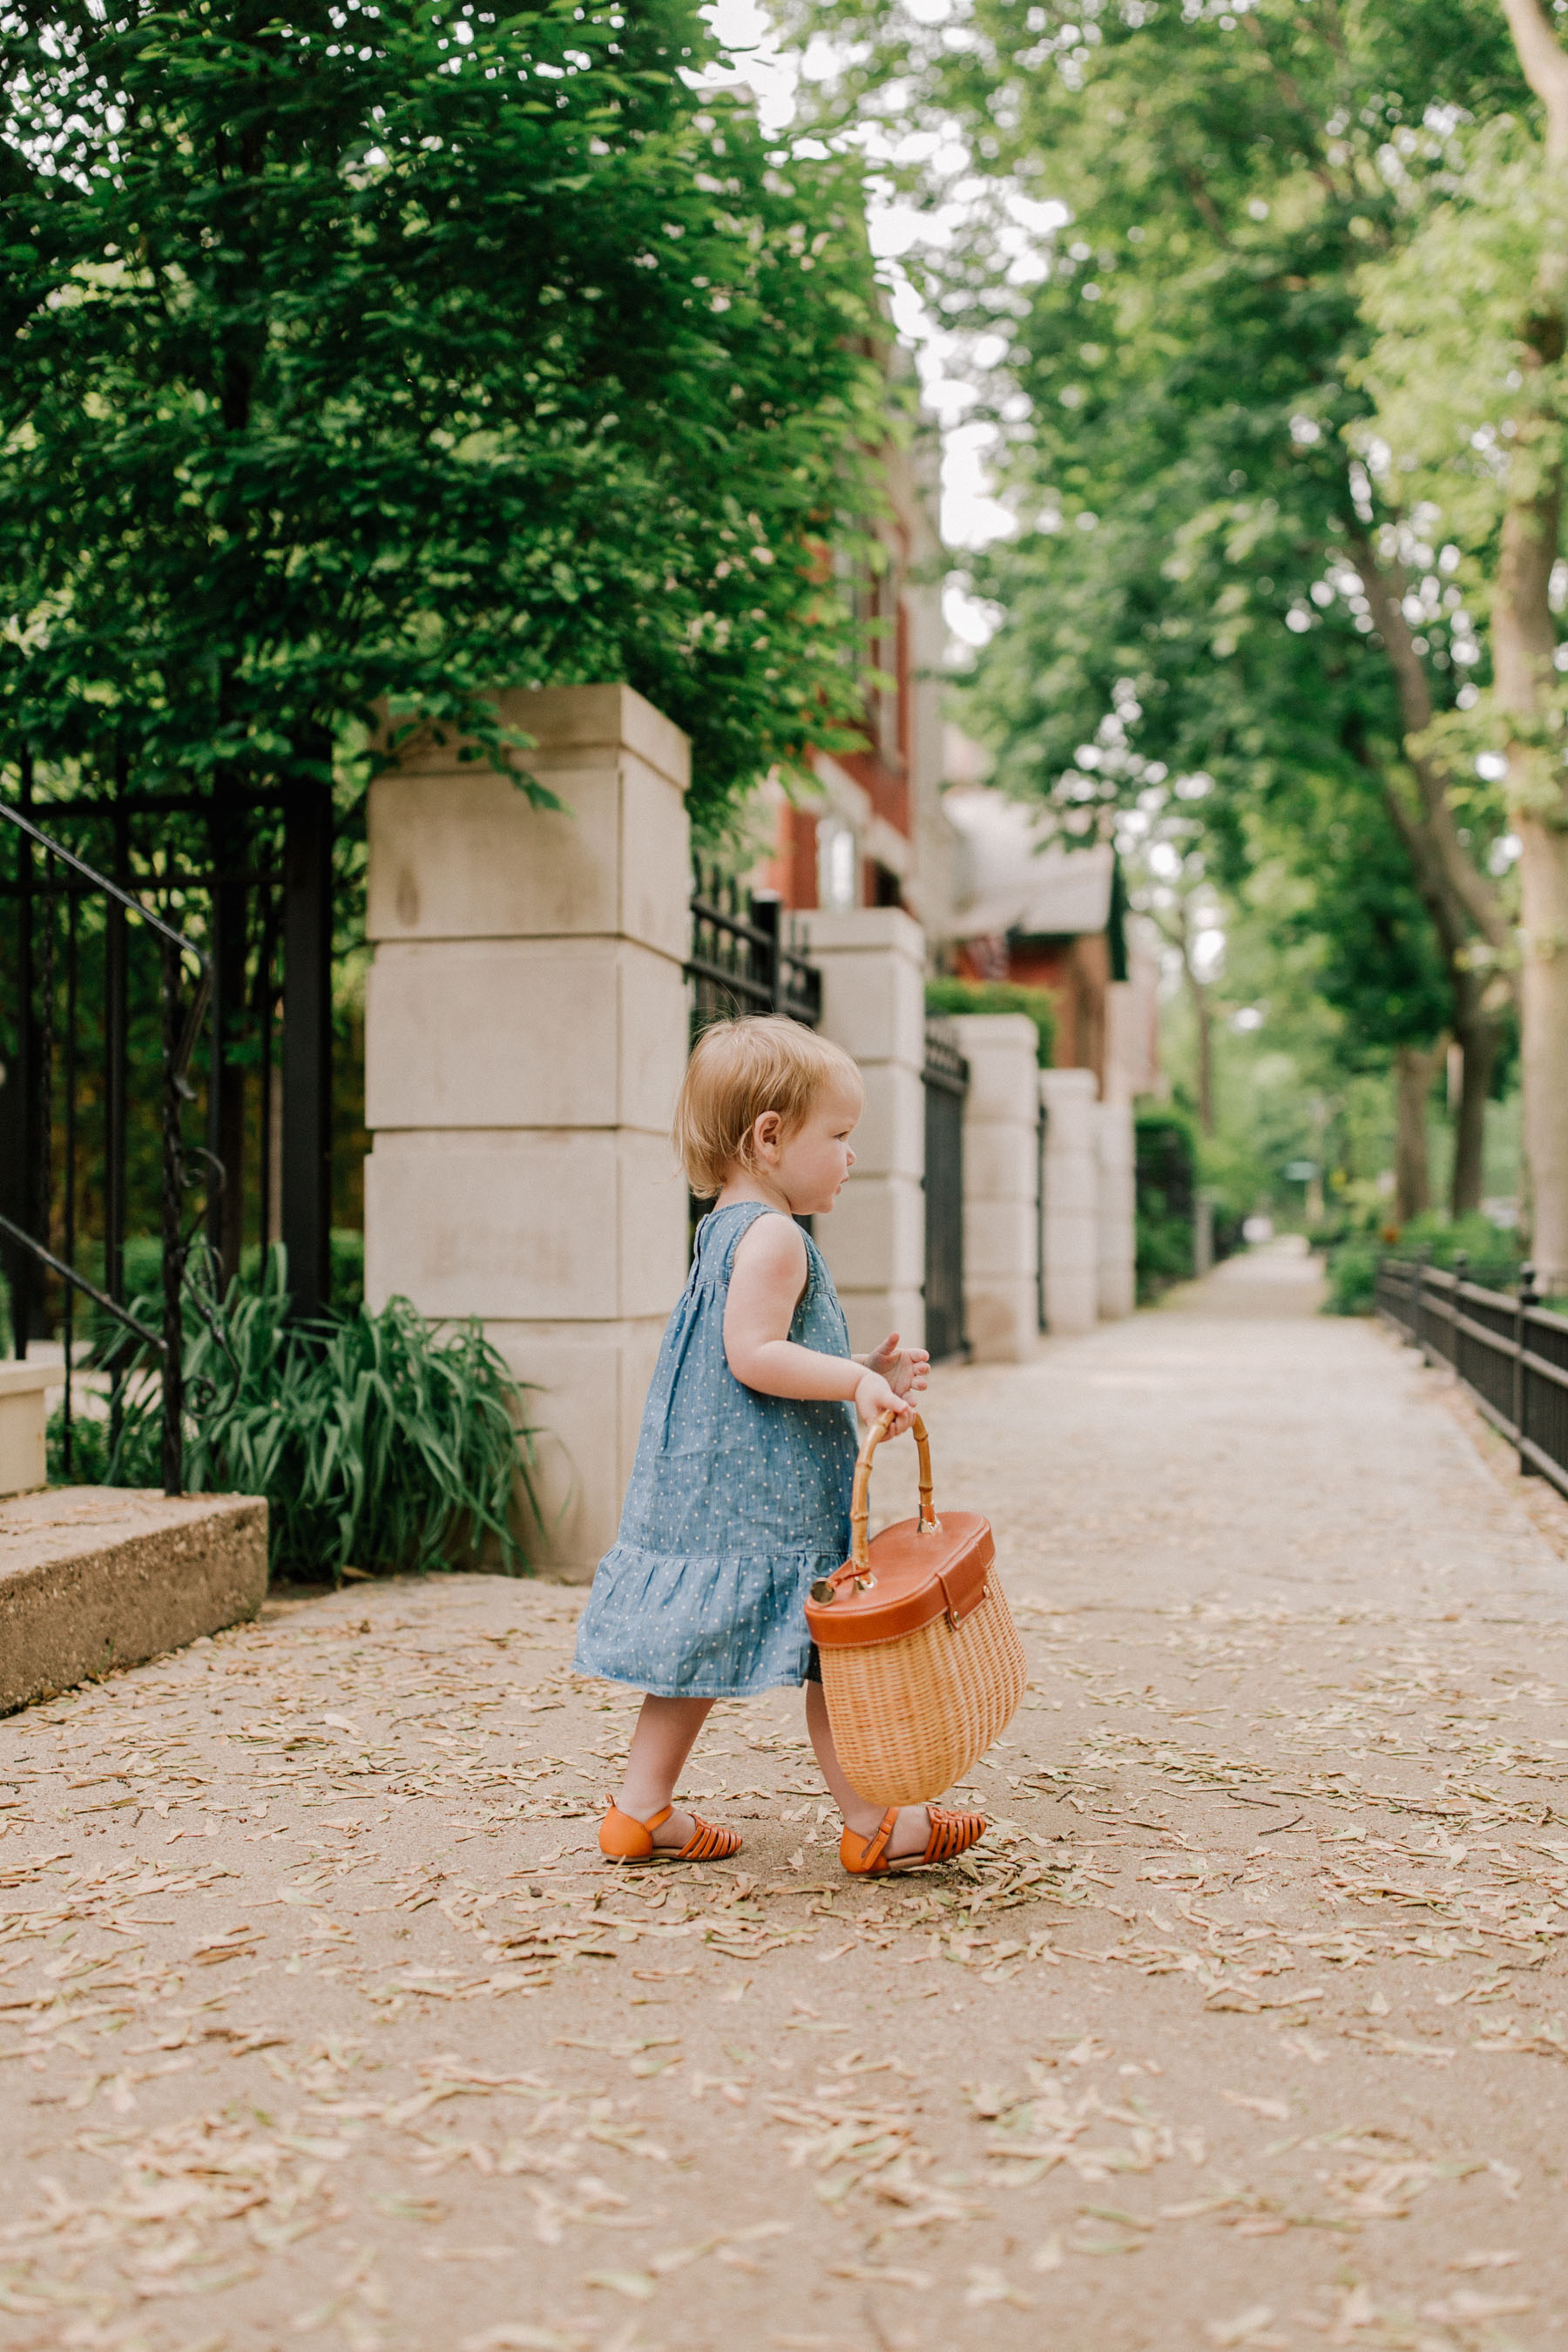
(917, 1572)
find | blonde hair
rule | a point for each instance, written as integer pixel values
(739, 1070)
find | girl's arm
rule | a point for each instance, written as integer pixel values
(766, 1288)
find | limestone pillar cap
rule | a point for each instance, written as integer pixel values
(559, 719)
(864, 930)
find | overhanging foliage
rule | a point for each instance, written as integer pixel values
(408, 350)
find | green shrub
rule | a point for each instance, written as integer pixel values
(138, 1463)
(346, 1293)
(1164, 1251)
(959, 997)
(345, 1274)
(1164, 1163)
(1493, 1251)
(98, 1332)
(1351, 1271)
(378, 1442)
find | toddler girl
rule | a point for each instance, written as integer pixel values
(739, 1493)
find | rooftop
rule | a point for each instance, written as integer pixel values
(1012, 874)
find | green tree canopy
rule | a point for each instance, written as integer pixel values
(1209, 577)
(405, 350)
(1472, 373)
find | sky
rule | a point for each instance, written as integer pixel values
(970, 514)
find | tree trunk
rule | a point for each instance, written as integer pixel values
(1524, 641)
(1413, 1068)
(1459, 894)
(1203, 1014)
(1543, 1044)
(1478, 1000)
(1476, 1034)
(1465, 908)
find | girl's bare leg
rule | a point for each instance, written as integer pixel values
(665, 1735)
(913, 1825)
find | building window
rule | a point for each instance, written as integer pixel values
(838, 866)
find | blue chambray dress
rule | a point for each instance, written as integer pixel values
(737, 1501)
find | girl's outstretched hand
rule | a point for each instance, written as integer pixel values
(874, 1397)
(905, 1370)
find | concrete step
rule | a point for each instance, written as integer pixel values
(93, 1578)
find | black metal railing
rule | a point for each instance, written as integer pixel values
(946, 1076)
(1508, 1351)
(245, 873)
(746, 955)
(64, 899)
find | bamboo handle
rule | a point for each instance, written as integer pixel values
(860, 1503)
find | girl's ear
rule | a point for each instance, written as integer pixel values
(766, 1134)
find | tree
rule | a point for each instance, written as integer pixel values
(1206, 575)
(1338, 896)
(407, 350)
(1168, 873)
(1469, 375)
(1288, 746)
(1379, 965)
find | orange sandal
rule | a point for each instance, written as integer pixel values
(623, 1838)
(951, 1834)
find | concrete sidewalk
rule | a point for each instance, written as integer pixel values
(321, 2023)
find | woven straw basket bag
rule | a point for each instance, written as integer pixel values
(921, 1664)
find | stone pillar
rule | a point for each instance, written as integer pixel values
(1116, 1209)
(1001, 1152)
(872, 960)
(1070, 1223)
(525, 1034)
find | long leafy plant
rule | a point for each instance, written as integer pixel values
(379, 1442)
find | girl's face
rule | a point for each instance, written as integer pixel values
(809, 1164)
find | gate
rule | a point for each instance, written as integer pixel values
(177, 984)
(946, 1076)
(744, 957)
(244, 878)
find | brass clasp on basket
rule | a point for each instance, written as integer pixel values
(826, 1588)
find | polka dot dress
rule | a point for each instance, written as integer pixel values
(736, 1502)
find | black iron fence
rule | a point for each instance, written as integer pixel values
(1508, 1350)
(746, 955)
(248, 876)
(946, 1076)
(65, 903)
